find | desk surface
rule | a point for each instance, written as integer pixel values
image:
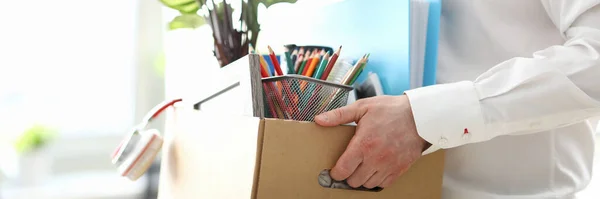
(96, 185)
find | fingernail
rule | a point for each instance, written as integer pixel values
(334, 176)
(323, 117)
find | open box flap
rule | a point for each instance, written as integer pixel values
(206, 155)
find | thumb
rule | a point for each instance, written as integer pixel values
(339, 116)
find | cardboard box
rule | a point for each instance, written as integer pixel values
(219, 145)
(216, 156)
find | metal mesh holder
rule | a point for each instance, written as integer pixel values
(301, 98)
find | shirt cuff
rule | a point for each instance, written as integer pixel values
(447, 115)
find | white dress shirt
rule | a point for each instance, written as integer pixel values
(517, 81)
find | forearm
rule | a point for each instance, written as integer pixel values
(556, 86)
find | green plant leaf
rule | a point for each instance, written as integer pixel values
(183, 6)
(186, 21)
(33, 138)
(221, 9)
(271, 2)
(251, 20)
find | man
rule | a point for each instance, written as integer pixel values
(517, 81)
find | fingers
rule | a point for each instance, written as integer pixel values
(375, 180)
(346, 164)
(388, 181)
(339, 116)
(361, 175)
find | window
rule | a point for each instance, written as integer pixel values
(85, 68)
(68, 64)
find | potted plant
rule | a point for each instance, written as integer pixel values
(232, 36)
(34, 161)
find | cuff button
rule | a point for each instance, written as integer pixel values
(442, 142)
(466, 136)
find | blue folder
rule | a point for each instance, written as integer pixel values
(431, 51)
(378, 27)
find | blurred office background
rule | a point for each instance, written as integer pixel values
(85, 72)
(75, 76)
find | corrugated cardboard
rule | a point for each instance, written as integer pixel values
(211, 155)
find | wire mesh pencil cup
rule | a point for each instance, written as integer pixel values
(301, 98)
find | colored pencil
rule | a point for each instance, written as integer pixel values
(276, 100)
(284, 85)
(270, 65)
(275, 62)
(298, 99)
(322, 66)
(308, 62)
(299, 59)
(350, 74)
(303, 63)
(362, 67)
(313, 65)
(298, 63)
(271, 108)
(263, 71)
(321, 54)
(331, 63)
(294, 56)
(288, 62)
(263, 68)
(264, 63)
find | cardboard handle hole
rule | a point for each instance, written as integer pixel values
(326, 181)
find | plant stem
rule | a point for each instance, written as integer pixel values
(252, 22)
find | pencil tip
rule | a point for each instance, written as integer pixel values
(270, 49)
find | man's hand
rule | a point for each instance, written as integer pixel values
(385, 144)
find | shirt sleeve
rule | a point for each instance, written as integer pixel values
(556, 87)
